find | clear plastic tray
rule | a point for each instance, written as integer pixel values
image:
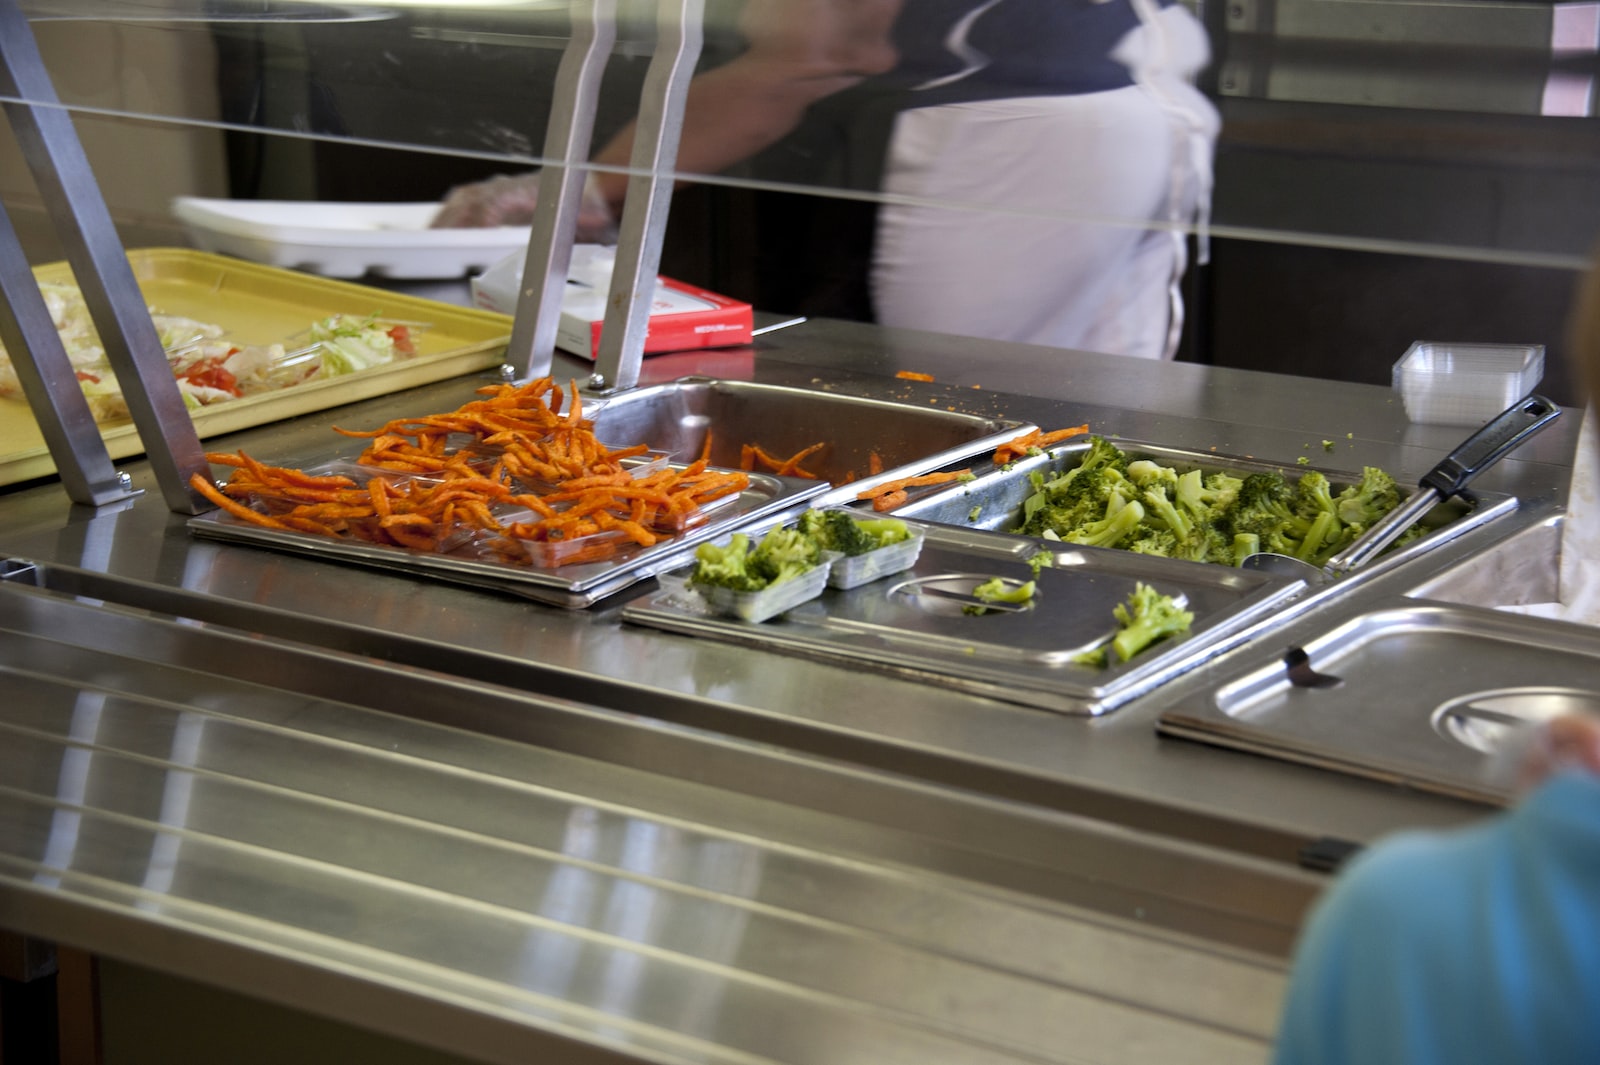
(750, 606)
(1465, 384)
(365, 528)
(577, 550)
(851, 571)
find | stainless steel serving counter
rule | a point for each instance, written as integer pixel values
(502, 828)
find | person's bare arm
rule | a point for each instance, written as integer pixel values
(799, 52)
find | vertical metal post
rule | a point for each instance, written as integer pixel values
(555, 222)
(65, 181)
(50, 383)
(644, 214)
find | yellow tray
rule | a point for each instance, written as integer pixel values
(259, 304)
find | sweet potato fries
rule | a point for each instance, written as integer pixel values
(507, 472)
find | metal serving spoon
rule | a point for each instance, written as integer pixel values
(1508, 429)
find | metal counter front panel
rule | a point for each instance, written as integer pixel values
(573, 896)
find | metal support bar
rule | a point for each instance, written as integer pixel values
(50, 383)
(644, 214)
(66, 183)
(555, 222)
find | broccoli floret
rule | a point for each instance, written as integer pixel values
(1153, 541)
(1364, 503)
(884, 531)
(783, 554)
(835, 530)
(1160, 507)
(1208, 543)
(1147, 616)
(1107, 532)
(1147, 474)
(726, 566)
(1206, 498)
(841, 531)
(1325, 533)
(1040, 560)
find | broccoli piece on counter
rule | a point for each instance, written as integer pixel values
(1146, 618)
(997, 590)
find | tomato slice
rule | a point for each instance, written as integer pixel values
(401, 335)
(210, 373)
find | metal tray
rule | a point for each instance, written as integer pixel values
(994, 499)
(567, 586)
(907, 439)
(265, 305)
(1023, 657)
(1425, 694)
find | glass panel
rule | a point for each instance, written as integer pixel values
(1056, 138)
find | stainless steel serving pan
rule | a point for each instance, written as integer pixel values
(1415, 693)
(1023, 656)
(572, 586)
(994, 500)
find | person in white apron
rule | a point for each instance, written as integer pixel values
(1040, 162)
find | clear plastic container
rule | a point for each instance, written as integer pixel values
(851, 571)
(1465, 384)
(759, 606)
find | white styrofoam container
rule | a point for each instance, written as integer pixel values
(683, 317)
(1465, 384)
(345, 240)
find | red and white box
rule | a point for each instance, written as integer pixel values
(683, 317)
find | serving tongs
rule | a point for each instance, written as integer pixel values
(1506, 431)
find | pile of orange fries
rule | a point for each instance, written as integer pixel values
(503, 472)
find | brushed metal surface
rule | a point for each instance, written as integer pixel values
(1425, 692)
(1025, 656)
(664, 911)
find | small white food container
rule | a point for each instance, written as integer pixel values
(759, 606)
(851, 571)
(1465, 384)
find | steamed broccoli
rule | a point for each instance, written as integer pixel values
(1265, 509)
(1107, 532)
(1364, 503)
(782, 555)
(998, 590)
(1147, 617)
(838, 530)
(834, 530)
(1142, 506)
(726, 566)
